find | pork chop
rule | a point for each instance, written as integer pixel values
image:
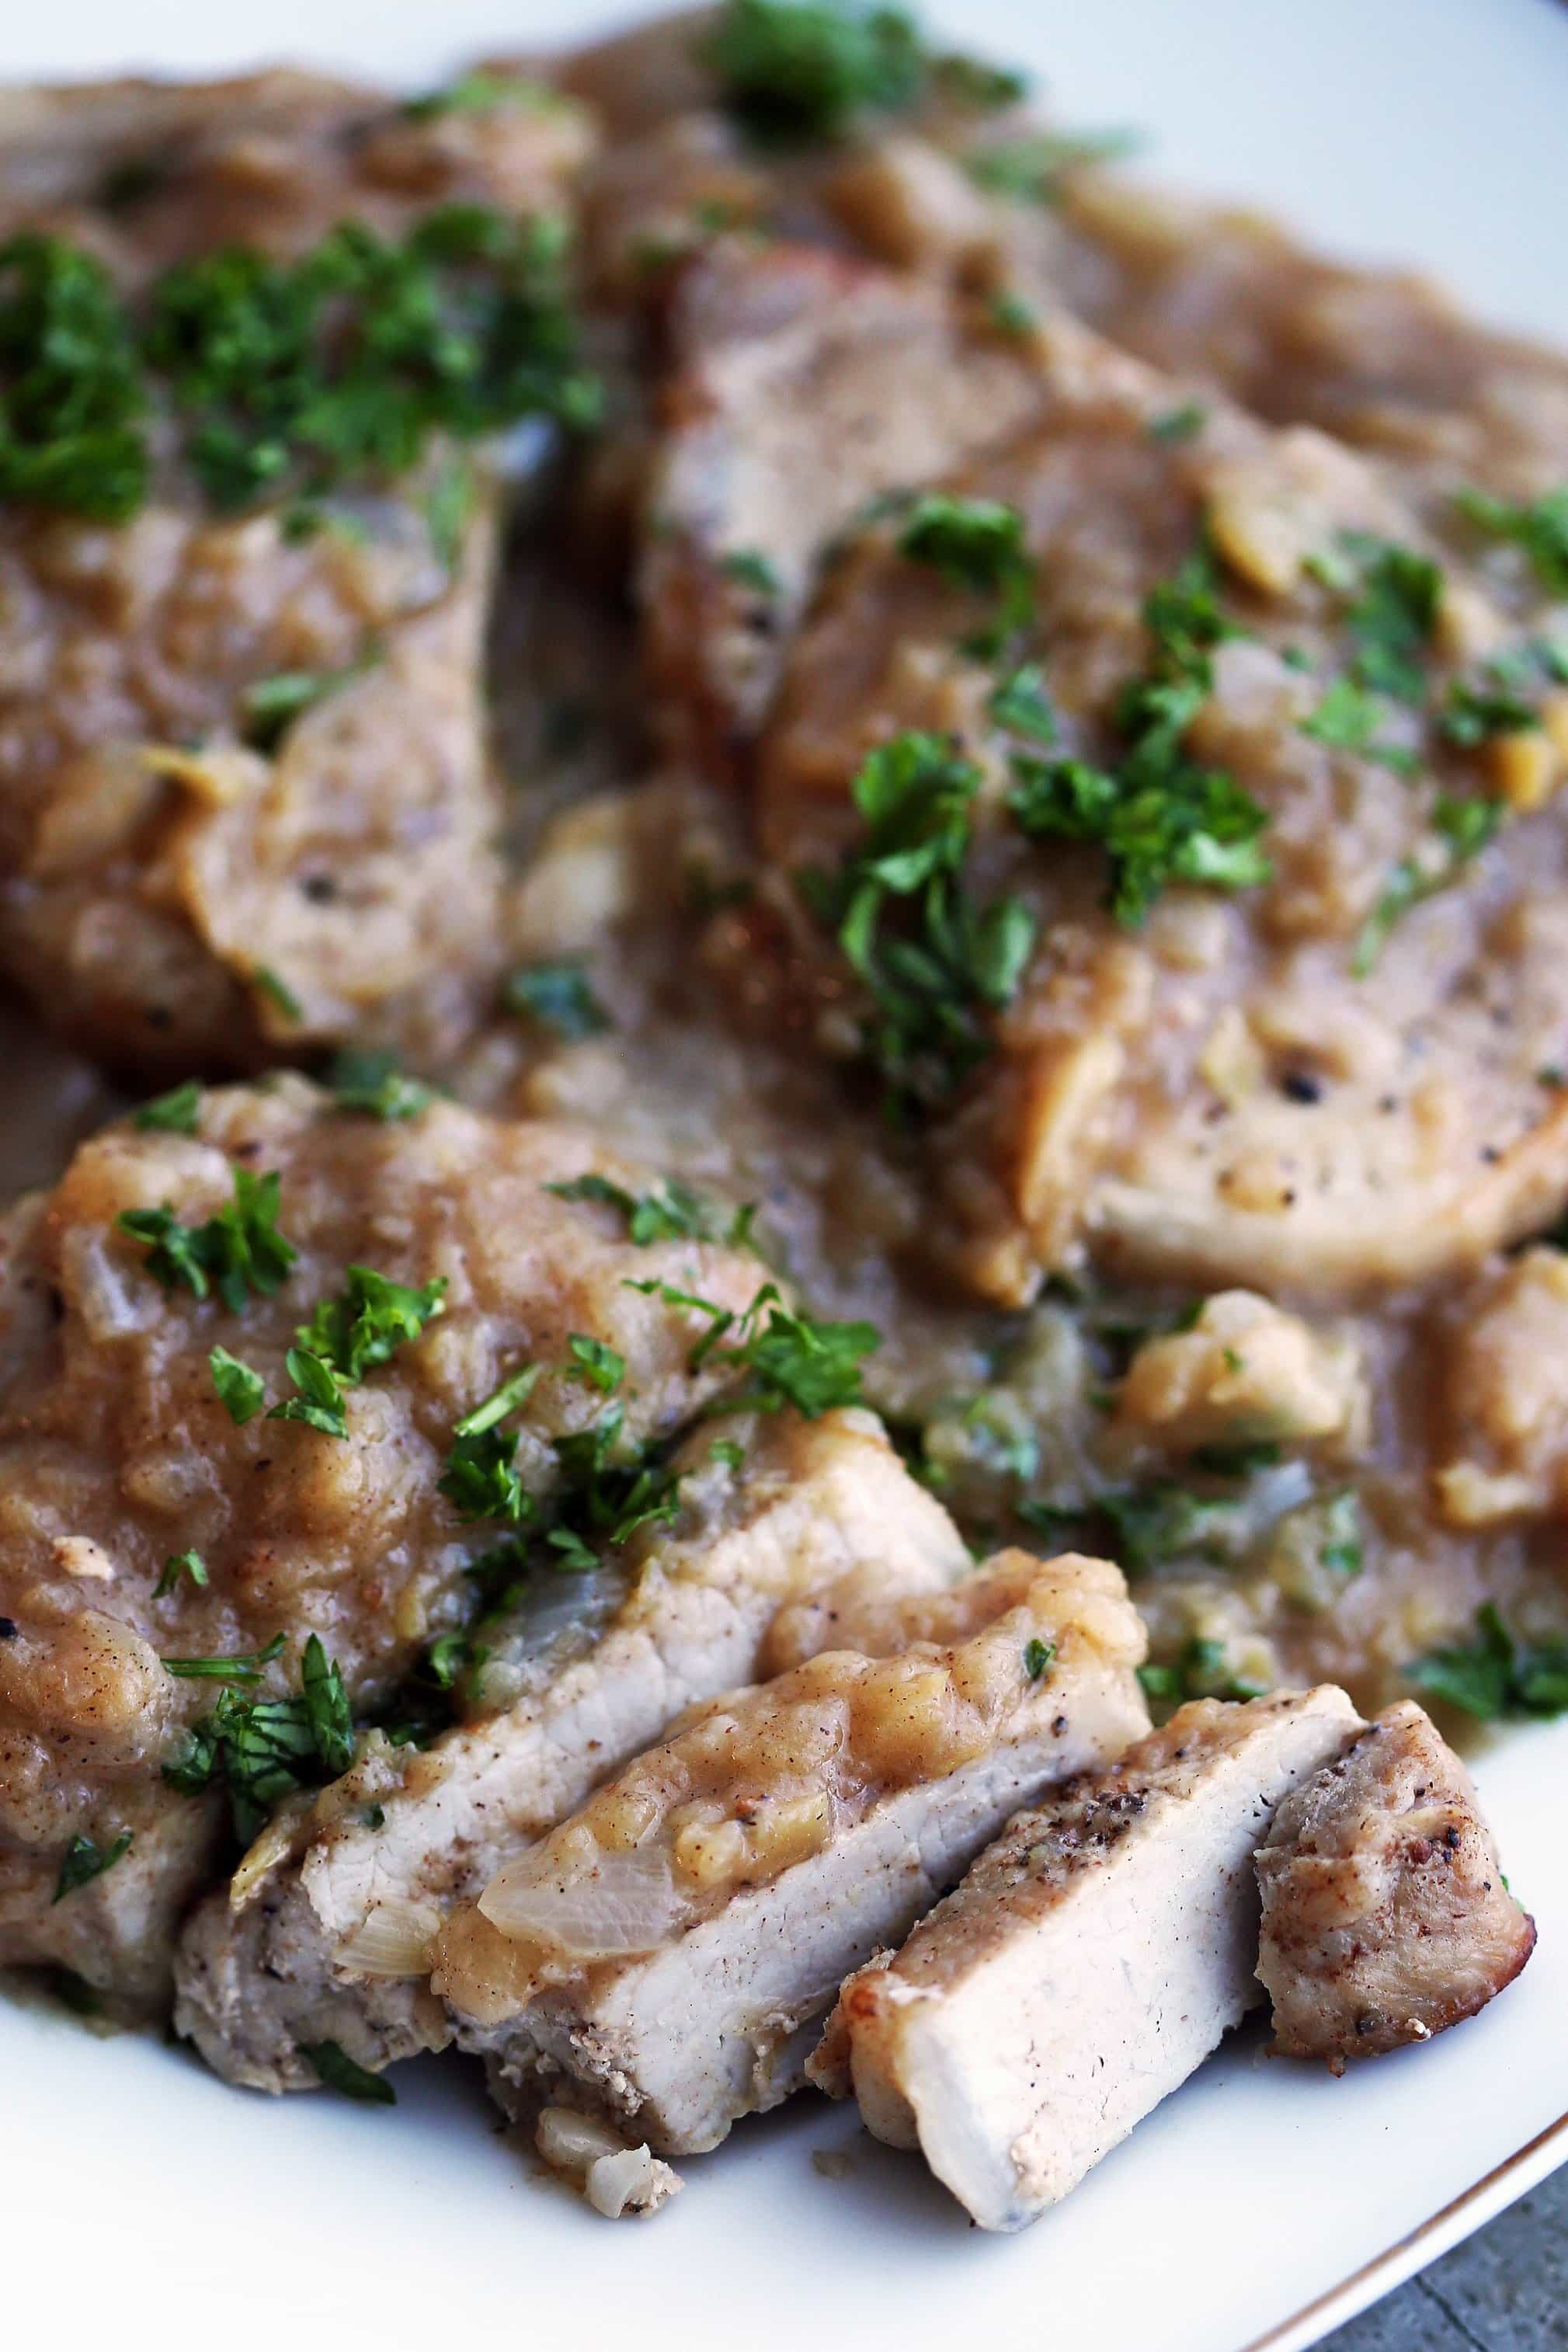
(246, 804)
(372, 1281)
(330, 1943)
(1274, 1005)
(663, 1956)
(1387, 1916)
(1093, 1957)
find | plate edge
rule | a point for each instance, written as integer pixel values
(1485, 2198)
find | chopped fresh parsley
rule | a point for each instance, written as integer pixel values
(365, 1080)
(604, 1495)
(558, 996)
(1037, 1656)
(448, 504)
(369, 1319)
(973, 542)
(1166, 1521)
(265, 1749)
(670, 1211)
(179, 1564)
(803, 69)
(1530, 663)
(290, 377)
(241, 1390)
(749, 568)
(240, 1250)
(513, 1392)
(246, 1666)
(346, 2075)
(1183, 424)
(318, 1399)
(601, 1366)
(1392, 614)
(1463, 826)
(445, 1659)
(1160, 816)
(1342, 1551)
(931, 961)
(1349, 718)
(84, 1862)
(480, 1479)
(974, 82)
(286, 378)
(1035, 168)
(72, 397)
(1538, 526)
(793, 1360)
(1201, 1671)
(606, 1498)
(276, 989)
(1472, 713)
(976, 544)
(269, 707)
(1011, 315)
(1497, 1676)
(480, 93)
(1021, 705)
(175, 1113)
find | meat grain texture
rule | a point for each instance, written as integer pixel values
(1386, 1917)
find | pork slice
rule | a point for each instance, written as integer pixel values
(329, 1944)
(1327, 1081)
(118, 1453)
(1092, 1958)
(664, 1958)
(804, 385)
(1386, 1914)
(320, 874)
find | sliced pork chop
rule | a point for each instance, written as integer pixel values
(151, 1507)
(664, 1957)
(1092, 1958)
(331, 1944)
(1386, 1914)
(1326, 1078)
(195, 872)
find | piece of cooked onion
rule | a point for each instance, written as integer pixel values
(614, 2178)
(625, 1903)
(392, 1941)
(274, 1844)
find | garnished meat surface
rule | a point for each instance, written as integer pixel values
(233, 1364)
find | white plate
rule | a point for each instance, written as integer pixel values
(141, 2202)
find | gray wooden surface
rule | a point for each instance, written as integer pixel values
(1505, 2290)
